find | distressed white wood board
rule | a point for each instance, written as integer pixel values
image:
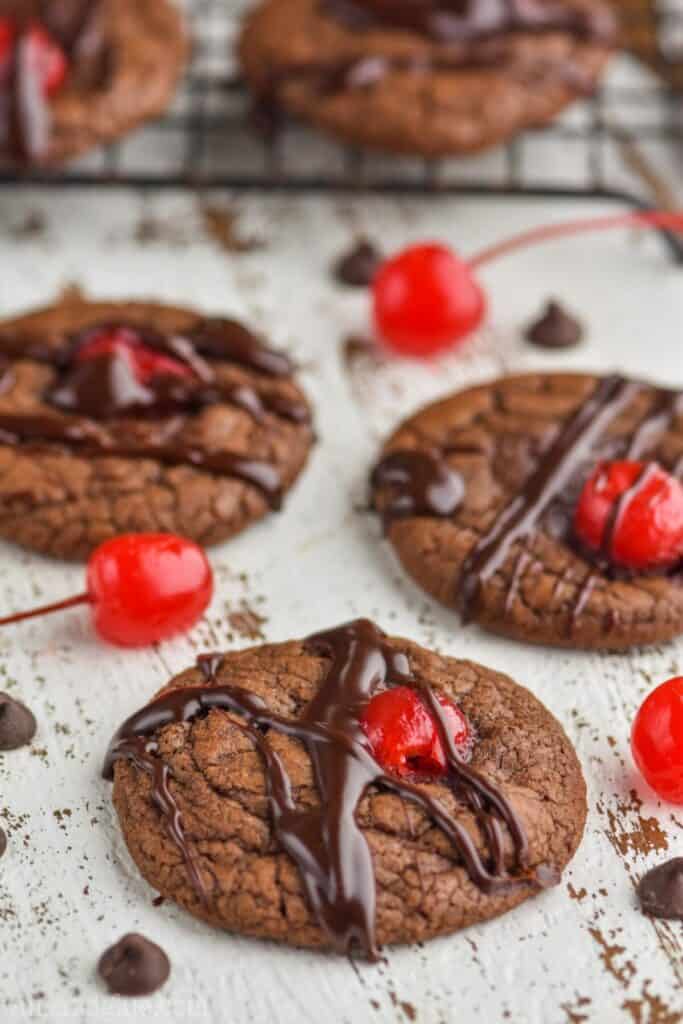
(67, 885)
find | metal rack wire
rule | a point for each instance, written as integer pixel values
(206, 141)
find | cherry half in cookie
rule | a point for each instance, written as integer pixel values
(404, 736)
(44, 59)
(632, 512)
(427, 299)
(126, 343)
(142, 588)
(657, 740)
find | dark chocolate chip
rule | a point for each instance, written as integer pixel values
(661, 890)
(17, 724)
(3, 842)
(358, 266)
(555, 328)
(134, 966)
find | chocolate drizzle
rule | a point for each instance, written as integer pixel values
(106, 387)
(76, 25)
(473, 21)
(546, 496)
(39, 431)
(552, 476)
(463, 34)
(325, 841)
(522, 514)
(411, 482)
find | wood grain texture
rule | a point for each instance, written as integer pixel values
(67, 885)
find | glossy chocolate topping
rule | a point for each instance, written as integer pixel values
(571, 450)
(468, 33)
(77, 27)
(472, 21)
(325, 841)
(105, 387)
(414, 483)
(36, 431)
(520, 517)
(544, 496)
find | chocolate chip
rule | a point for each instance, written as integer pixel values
(661, 890)
(358, 266)
(134, 966)
(17, 724)
(3, 842)
(555, 328)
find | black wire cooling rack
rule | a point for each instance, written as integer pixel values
(206, 140)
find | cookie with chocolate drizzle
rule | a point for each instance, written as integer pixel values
(119, 62)
(481, 514)
(248, 792)
(120, 417)
(433, 77)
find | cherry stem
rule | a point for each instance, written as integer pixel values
(47, 609)
(643, 219)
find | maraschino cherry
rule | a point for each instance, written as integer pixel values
(427, 298)
(142, 588)
(404, 736)
(44, 55)
(633, 513)
(126, 343)
(657, 740)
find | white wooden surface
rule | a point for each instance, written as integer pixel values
(67, 885)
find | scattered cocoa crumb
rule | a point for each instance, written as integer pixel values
(149, 230)
(247, 622)
(222, 225)
(34, 225)
(358, 346)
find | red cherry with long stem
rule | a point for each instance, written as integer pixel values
(141, 587)
(427, 298)
(657, 740)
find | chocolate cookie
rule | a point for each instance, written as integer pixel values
(429, 76)
(119, 417)
(652, 29)
(249, 792)
(478, 494)
(78, 73)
